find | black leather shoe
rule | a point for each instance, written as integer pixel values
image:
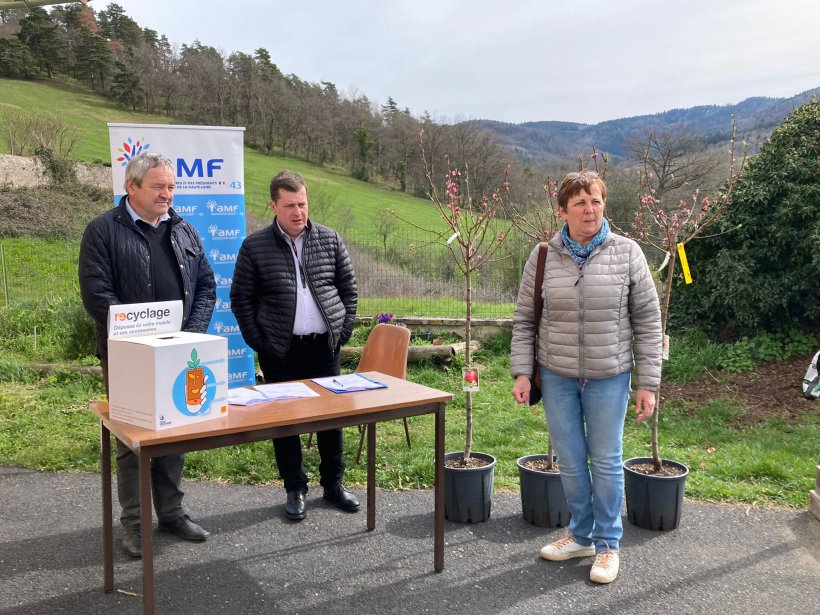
(339, 496)
(295, 506)
(132, 541)
(184, 528)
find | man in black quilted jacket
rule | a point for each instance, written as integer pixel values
(294, 297)
(138, 252)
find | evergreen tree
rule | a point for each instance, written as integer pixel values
(94, 59)
(16, 60)
(39, 33)
(759, 270)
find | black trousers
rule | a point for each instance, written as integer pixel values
(166, 476)
(308, 357)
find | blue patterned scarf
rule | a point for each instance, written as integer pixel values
(580, 253)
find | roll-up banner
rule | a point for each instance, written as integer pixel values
(209, 194)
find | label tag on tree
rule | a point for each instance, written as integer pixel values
(470, 379)
(665, 351)
(687, 277)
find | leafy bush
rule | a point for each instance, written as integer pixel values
(737, 357)
(758, 270)
(60, 169)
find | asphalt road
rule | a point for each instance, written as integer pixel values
(721, 560)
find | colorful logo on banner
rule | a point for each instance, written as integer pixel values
(129, 149)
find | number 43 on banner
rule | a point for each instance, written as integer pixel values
(687, 276)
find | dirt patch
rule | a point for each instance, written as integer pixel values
(25, 172)
(771, 390)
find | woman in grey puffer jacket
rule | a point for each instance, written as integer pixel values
(600, 308)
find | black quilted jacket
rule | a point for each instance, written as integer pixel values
(263, 293)
(115, 268)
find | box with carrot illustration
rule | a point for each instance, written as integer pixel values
(168, 379)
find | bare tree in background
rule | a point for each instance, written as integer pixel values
(675, 159)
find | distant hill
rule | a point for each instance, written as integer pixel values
(545, 142)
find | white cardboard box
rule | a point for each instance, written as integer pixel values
(167, 379)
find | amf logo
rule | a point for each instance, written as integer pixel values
(237, 375)
(221, 233)
(217, 256)
(238, 353)
(199, 167)
(185, 210)
(223, 329)
(222, 305)
(222, 280)
(221, 210)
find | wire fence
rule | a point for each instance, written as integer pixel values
(403, 274)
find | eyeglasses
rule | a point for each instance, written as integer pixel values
(585, 175)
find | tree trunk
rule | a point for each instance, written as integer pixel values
(667, 291)
(468, 445)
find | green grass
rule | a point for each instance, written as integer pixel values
(77, 106)
(44, 424)
(352, 207)
(407, 306)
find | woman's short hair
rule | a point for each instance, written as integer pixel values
(576, 182)
(286, 180)
(139, 165)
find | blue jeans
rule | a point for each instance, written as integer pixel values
(586, 423)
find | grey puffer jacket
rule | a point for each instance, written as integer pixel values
(594, 316)
(115, 268)
(263, 292)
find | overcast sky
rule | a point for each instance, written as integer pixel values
(517, 60)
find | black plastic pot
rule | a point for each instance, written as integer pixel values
(543, 502)
(654, 502)
(468, 492)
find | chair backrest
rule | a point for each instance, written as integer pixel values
(385, 351)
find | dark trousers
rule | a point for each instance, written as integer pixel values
(308, 357)
(166, 476)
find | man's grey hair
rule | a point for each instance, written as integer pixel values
(286, 180)
(139, 165)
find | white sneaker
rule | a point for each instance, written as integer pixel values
(566, 548)
(605, 568)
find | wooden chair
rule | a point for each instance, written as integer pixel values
(385, 351)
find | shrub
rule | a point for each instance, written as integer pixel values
(758, 270)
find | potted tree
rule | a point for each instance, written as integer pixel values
(472, 233)
(654, 487)
(543, 502)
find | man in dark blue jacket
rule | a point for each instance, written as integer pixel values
(138, 252)
(294, 297)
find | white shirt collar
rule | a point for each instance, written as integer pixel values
(135, 216)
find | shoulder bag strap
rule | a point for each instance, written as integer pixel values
(538, 301)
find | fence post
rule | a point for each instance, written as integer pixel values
(5, 279)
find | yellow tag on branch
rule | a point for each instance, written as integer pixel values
(687, 276)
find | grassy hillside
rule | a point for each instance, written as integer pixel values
(89, 113)
(354, 208)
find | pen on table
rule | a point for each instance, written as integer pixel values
(339, 383)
